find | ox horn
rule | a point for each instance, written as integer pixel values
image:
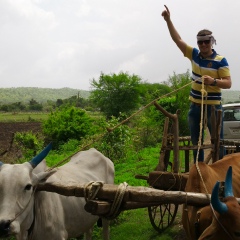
(36, 160)
(228, 191)
(217, 205)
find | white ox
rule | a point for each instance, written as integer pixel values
(44, 215)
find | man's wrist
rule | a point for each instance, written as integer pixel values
(214, 82)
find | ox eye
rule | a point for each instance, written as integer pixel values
(28, 187)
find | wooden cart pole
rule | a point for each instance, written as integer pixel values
(176, 142)
(174, 117)
(161, 164)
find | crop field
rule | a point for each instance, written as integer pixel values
(23, 117)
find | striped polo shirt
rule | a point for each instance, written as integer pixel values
(215, 66)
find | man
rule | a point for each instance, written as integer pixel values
(207, 66)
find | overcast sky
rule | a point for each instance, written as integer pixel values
(67, 43)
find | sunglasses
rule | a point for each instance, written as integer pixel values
(200, 42)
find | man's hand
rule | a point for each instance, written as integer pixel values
(166, 14)
(208, 80)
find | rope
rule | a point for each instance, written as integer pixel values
(90, 194)
(225, 230)
(204, 94)
(114, 211)
(22, 208)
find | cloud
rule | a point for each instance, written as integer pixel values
(66, 43)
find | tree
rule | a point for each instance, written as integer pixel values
(180, 100)
(34, 105)
(151, 91)
(115, 94)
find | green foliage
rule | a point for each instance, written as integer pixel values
(181, 101)
(29, 143)
(150, 92)
(68, 123)
(17, 106)
(115, 94)
(75, 101)
(114, 144)
(35, 106)
(147, 128)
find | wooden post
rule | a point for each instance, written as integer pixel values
(161, 164)
(176, 142)
(187, 158)
(174, 117)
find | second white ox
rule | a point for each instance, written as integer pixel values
(43, 215)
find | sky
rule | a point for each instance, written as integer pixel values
(68, 43)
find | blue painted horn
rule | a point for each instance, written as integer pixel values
(36, 160)
(217, 205)
(228, 190)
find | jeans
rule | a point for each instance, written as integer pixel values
(194, 118)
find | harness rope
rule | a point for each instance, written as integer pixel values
(90, 194)
(204, 94)
(91, 189)
(22, 208)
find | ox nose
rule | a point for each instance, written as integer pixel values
(4, 227)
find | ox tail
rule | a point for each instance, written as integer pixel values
(36, 160)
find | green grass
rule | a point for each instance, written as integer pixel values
(23, 116)
(32, 116)
(135, 225)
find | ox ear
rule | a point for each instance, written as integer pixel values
(42, 177)
(217, 205)
(210, 231)
(36, 160)
(228, 191)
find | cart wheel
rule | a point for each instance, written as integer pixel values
(162, 216)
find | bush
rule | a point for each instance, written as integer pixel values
(114, 144)
(68, 123)
(29, 143)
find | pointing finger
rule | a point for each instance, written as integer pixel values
(167, 8)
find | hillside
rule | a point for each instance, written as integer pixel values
(25, 94)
